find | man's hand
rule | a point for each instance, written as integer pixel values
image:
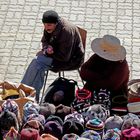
(50, 49)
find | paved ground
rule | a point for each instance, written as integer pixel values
(21, 30)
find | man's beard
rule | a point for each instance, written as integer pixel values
(49, 31)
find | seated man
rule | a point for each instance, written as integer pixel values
(62, 49)
(107, 68)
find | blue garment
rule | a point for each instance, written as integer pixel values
(35, 73)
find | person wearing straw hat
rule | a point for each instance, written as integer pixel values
(107, 68)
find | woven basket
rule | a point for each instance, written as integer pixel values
(28, 93)
(134, 91)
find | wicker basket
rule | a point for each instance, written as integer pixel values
(26, 93)
(134, 91)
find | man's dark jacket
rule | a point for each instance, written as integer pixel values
(67, 45)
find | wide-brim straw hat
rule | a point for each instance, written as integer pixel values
(109, 48)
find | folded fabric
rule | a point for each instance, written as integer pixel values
(11, 94)
(133, 99)
(134, 107)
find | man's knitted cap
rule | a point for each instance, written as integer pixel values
(50, 17)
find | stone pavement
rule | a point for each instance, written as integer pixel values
(21, 30)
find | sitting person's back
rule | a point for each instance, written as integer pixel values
(100, 73)
(107, 68)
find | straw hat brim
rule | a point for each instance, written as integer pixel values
(118, 55)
